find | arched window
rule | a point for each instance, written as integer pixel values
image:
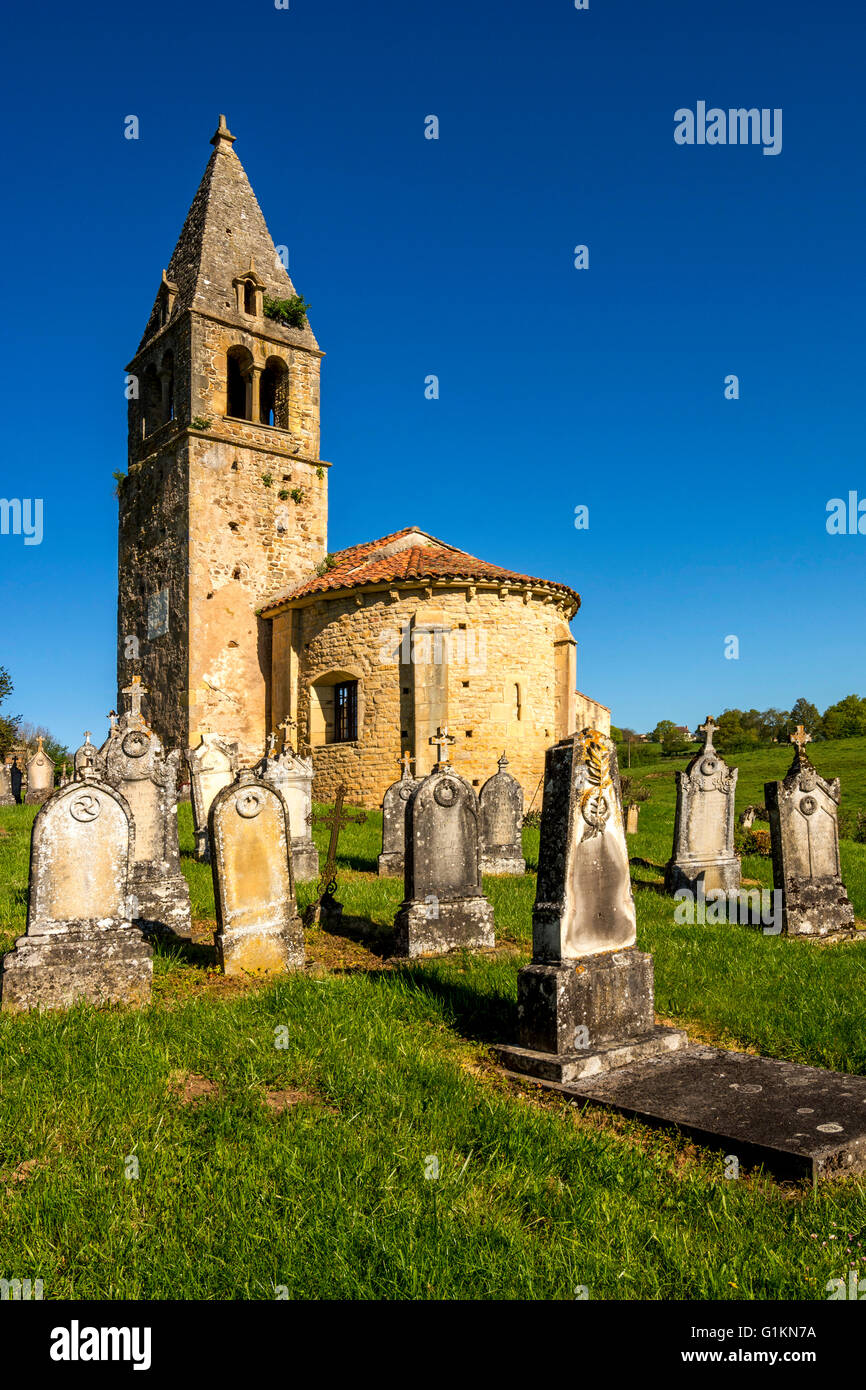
(151, 401)
(166, 378)
(249, 297)
(239, 373)
(275, 394)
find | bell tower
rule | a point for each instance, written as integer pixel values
(225, 501)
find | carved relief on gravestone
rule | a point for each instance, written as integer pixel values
(213, 764)
(87, 759)
(292, 776)
(392, 859)
(703, 848)
(135, 763)
(80, 942)
(444, 907)
(500, 806)
(585, 1004)
(804, 834)
(258, 927)
(40, 777)
(6, 796)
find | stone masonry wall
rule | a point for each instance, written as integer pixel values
(513, 645)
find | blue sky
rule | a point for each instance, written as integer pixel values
(558, 387)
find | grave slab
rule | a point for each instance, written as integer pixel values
(799, 1122)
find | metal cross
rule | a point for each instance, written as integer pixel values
(800, 738)
(441, 741)
(336, 819)
(135, 692)
(708, 729)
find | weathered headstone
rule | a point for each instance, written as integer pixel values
(704, 825)
(585, 1004)
(804, 833)
(87, 759)
(40, 777)
(391, 860)
(632, 814)
(6, 796)
(292, 775)
(80, 942)
(500, 824)
(213, 764)
(444, 907)
(134, 762)
(259, 930)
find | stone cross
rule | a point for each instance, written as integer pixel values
(272, 743)
(800, 738)
(287, 724)
(708, 728)
(405, 764)
(135, 692)
(336, 819)
(441, 741)
(112, 718)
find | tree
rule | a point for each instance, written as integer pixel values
(662, 730)
(846, 719)
(806, 714)
(29, 734)
(616, 734)
(673, 743)
(737, 731)
(8, 723)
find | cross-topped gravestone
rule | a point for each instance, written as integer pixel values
(86, 758)
(213, 764)
(287, 724)
(441, 741)
(391, 860)
(135, 691)
(326, 904)
(703, 849)
(804, 835)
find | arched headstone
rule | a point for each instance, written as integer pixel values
(444, 907)
(704, 823)
(40, 777)
(392, 859)
(292, 776)
(6, 796)
(500, 806)
(80, 941)
(259, 930)
(87, 759)
(804, 834)
(213, 764)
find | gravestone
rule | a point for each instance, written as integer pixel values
(632, 814)
(213, 764)
(292, 775)
(6, 796)
(258, 927)
(444, 907)
(135, 763)
(80, 942)
(87, 759)
(392, 859)
(500, 809)
(804, 834)
(16, 778)
(704, 825)
(40, 777)
(585, 1004)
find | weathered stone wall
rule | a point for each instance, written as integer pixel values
(501, 688)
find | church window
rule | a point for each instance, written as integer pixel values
(151, 401)
(166, 382)
(249, 298)
(239, 375)
(274, 395)
(345, 711)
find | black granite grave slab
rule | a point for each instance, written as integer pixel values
(799, 1122)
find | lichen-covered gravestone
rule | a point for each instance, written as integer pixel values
(40, 777)
(704, 825)
(135, 763)
(500, 806)
(86, 759)
(804, 834)
(213, 764)
(392, 858)
(80, 941)
(259, 930)
(585, 1004)
(6, 796)
(444, 907)
(292, 776)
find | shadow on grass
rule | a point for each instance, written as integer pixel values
(362, 864)
(478, 1017)
(377, 938)
(177, 948)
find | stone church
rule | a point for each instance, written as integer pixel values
(230, 606)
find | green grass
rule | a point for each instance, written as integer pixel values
(389, 1066)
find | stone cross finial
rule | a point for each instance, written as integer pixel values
(272, 743)
(86, 736)
(441, 741)
(135, 691)
(405, 761)
(287, 724)
(800, 738)
(708, 728)
(112, 718)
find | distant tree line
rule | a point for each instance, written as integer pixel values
(739, 730)
(15, 730)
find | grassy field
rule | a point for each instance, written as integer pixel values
(249, 1140)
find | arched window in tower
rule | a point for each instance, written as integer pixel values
(249, 297)
(239, 376)
(274, 396)
(166, 381)
(151, 401)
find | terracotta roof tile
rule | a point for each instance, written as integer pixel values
(405, 561)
